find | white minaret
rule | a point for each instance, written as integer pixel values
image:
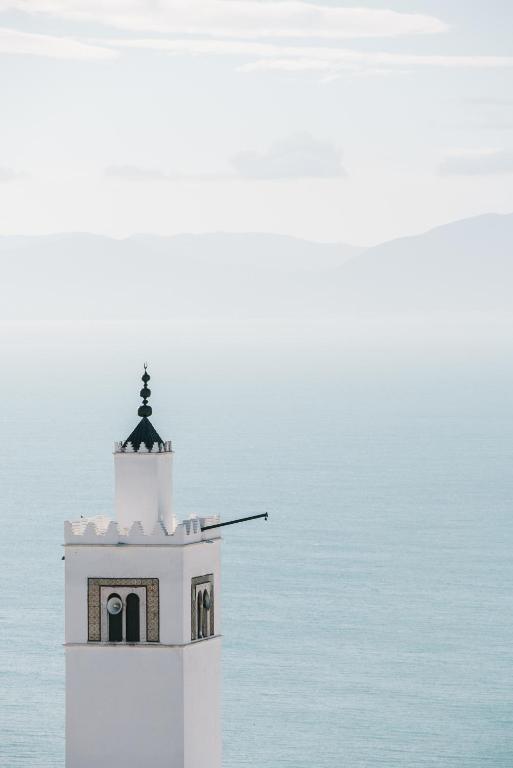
(142, 638)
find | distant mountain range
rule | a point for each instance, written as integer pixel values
(463, 266)
(466, 266)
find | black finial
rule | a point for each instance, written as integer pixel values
(145, 433)
(145, 409)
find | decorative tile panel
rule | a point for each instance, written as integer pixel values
(94, 605)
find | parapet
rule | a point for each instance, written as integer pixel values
(124, 447)
(104, 530)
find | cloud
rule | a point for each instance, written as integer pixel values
(482, 162)
(135, 173)
(9, 174)
(265, 32)
(233, 18)
(296, 58)
(13, 41)
(296, 157)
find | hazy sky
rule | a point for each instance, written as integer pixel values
(327, 120)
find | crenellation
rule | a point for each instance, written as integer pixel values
(136, 531)
(103, 530)
(159, 529)
(122, 447)
(112, 530)
(210, 520)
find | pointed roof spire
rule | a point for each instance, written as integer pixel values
(144, 433)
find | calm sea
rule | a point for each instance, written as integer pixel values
(369, 623)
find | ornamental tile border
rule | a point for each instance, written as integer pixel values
(196, 582)
(94, 605)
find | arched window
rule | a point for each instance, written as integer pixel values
(205, 630)
(133, 632)
(202, 607)
(115, 612)
(199, 614)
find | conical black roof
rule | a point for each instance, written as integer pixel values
(144, 434)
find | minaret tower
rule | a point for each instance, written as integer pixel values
(142, 638)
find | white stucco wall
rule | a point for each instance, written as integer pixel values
(202, 721)
(173, 566)
(155, 704)
(132, 707)
(124, 707)
(143, 488)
